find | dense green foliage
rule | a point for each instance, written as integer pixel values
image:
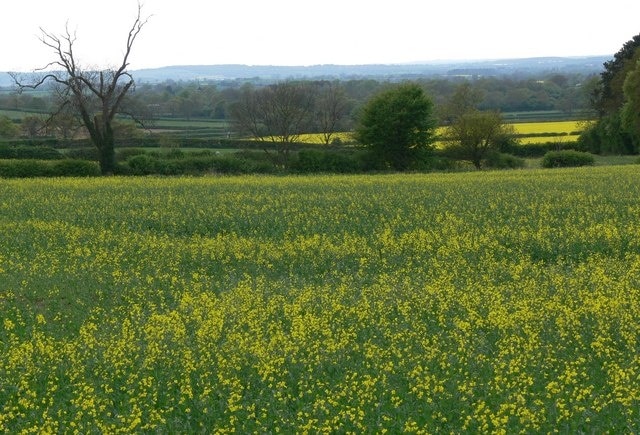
(485, 302)
(610, 95)
(29, 152)
(475, 134)
(630, 112)
(611, 134)
(16, 168)
(567, 158)
(498, 160)
(318, 161)
(178, 163)
(8, 129)
(398, 126)
(607, 136)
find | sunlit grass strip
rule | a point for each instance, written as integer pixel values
(479, 302)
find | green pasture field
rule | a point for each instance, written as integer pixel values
(484, 302)
(193, 123)
(19, 114)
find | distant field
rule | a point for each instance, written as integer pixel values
(18, 114)
(566, 127)
(538, 132)
(530, 132)
(533, 132)
(190, 123)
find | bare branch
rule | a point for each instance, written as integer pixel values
(137, 26)
(96, 96)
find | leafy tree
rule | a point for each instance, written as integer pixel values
(464, 100)
(8, 129)
(398, 126)
(631, 110)
(610, 96)
(612, 133)
(97, 96)
(475, 134)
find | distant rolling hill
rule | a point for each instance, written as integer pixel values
(501, 67)
(447, 68)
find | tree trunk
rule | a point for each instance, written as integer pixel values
(107, 158)
(106, 148)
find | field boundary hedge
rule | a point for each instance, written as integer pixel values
(27, 168)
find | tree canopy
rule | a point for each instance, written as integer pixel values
(398, 126)
(614, 132)
(476, 133)
(611, 94)
(631, 109)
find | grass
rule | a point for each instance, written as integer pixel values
(19, 114)
(615, 160)
(479, 302)
(193, 123)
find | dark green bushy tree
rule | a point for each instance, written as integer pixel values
(611, 133)
(630, 114)
(610, 96)
(398, 126)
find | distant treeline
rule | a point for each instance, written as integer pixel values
(568, 93)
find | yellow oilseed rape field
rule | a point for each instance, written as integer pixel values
(499, 302)
(528, 132)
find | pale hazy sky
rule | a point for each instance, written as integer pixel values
(310, 32)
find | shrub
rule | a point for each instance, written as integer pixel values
(122, 155)
(310, 161)
(75, 168)
(146, 164)
(7, 152)
(536, 149)
(143, 164)
(173, 153)
(29, 152)
(84, 153)
(344, 163)
(568, 158)
(25, 168)
(231, 165)
(504, 161)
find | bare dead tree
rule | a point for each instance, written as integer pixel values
(277, 114)
(332, 107)
(96, 96)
